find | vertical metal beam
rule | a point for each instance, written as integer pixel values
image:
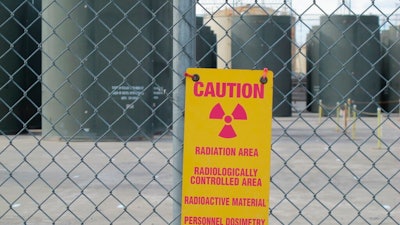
(184, 52)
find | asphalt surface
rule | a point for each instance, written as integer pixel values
(321, 174)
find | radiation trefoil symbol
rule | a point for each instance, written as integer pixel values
(227, 131)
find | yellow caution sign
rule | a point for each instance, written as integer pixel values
(227, 147)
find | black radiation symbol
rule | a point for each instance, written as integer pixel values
(227, 131)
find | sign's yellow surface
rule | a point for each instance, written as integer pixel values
(227, 145)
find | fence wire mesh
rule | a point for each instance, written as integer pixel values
(91, 106)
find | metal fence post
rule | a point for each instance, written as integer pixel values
(184, 31)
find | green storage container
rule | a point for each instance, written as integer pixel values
(33, 56)
(97, 70)
(206, 48)
(11, 67)
(313, 88)
(350, 64)
(162, 86)
(391, 70)
(260, 41)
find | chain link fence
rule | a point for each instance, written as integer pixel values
(91, 106)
